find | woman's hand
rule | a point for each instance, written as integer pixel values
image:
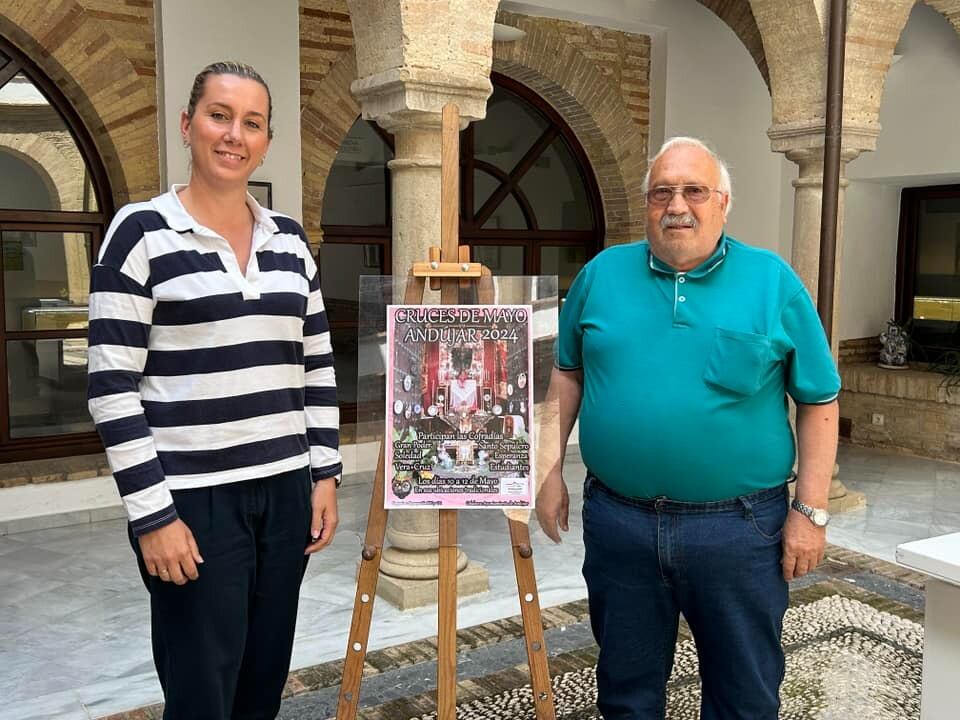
(325, 519)
(171, 554)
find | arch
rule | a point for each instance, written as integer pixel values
(24, 153)
(873, 29)
(587, 100)
(794, 40)
(109, 84)
(793, 44)
(618, 193)
(58, 164)
(950, 9)
(738, 15)
(324, 123)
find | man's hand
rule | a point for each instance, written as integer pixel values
(171, 554)
(325, 519)
(803, 544)
(553, 505)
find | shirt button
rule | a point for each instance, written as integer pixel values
(682, 298)
(681, 279)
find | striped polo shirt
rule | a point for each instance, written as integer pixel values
(200, 374)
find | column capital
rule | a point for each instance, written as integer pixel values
(405, 97)
(804, 139)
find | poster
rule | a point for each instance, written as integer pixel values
(459, 406)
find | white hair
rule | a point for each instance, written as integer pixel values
(725, 184)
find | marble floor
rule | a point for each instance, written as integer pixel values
(74, 634)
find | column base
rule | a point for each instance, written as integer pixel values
(408, 594)
(846, 500)
(841, 498)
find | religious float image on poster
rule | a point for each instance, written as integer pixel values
(459, 406)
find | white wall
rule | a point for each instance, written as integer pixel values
(703, 83)
(869, 258)
(262, 34)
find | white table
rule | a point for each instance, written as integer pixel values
(938, 557)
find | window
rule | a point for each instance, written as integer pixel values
(52, 195)
(928, 269)
(530, 205)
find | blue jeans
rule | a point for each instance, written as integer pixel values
(718, 563)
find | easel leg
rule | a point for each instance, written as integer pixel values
(356, 654)
(447, 618)
(532, 621)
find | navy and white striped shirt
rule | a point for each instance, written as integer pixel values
(200, 374)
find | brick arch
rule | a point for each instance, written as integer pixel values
(950, 9)
(103, 61)
(621, 224)
(325, 120)
(794, 39)
(609, 121)
(604, 117)
(616, 157)
(738, 15)
(37, 168)
(793, 44)
(59, 169)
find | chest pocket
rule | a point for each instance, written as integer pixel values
(738, 361)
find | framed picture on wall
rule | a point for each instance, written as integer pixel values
(262, 192)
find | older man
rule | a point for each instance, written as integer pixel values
(678, 354)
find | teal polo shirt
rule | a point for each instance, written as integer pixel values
(685, 375)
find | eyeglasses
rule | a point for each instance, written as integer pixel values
(662, 195)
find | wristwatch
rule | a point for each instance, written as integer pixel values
(818, 516)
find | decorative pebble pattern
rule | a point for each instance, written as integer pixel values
(845, 659)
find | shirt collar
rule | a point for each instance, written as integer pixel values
(177, 217)
(704, 268)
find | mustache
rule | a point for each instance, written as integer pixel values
(669, 221)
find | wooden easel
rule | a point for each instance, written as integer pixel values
(449, 269)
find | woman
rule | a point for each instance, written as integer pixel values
(211, 383)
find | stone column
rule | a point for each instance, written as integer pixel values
(414, 57)
(803, 144)
(415, 176)
(807, 206)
